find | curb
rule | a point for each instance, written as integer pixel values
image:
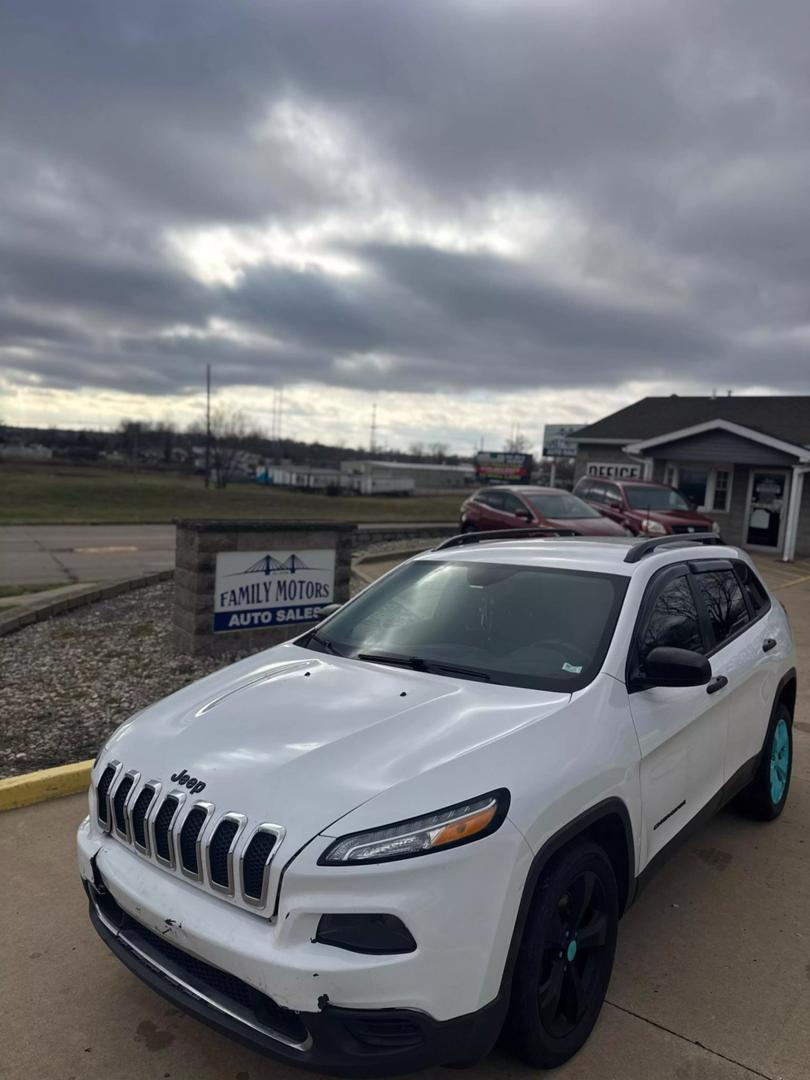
(92, 594)
(17, 791)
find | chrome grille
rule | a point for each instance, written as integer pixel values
(220, 852)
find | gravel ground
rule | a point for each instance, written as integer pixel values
(66, 683)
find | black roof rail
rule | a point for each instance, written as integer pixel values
(644, 547)
(463, 539)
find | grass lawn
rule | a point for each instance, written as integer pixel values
(67, 494)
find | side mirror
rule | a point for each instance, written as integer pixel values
(327, 610)
(524, 515)
(668, 666)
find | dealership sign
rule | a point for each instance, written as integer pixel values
(503, 466)
(613, 470)
(558, 440)
(256, 589)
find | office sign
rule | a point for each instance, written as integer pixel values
(256, 589)
(558, 442)
(613, 470)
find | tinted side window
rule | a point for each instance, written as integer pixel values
(724, 601)
(495, 499)
(613, 493)
(673, 620)
(753, 588)
(511, 503)
(597, 492)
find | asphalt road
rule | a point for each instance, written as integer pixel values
(66, 554)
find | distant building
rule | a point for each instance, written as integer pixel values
(741, 460)
(25, 452)
(422, 477)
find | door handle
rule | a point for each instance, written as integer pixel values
(768, 644)
(717, 683)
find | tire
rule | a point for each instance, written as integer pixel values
(767, 793)
(559, 982)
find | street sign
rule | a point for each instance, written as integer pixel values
(557, 441)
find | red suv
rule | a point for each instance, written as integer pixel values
(525, 507)
(643, 506)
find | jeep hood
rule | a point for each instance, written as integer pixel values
(302, 738)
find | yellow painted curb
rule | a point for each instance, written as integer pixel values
(16, 791)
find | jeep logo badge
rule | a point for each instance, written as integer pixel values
(194, 785)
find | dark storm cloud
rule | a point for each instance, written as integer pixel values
(676, 137)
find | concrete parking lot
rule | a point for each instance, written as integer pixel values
(712, 979)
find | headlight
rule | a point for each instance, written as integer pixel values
(446, 828)
(655, 528)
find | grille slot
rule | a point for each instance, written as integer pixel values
(219, 851)
(254, 864)
(103, 790)
(120, 804)
(138, 817)
(189, 834)
(163, 843)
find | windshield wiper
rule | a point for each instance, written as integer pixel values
(419, 663)
(324, 645)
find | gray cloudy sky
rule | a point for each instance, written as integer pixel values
(479, 214)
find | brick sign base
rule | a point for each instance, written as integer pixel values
(199, 543)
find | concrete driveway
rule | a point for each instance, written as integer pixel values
(712, 979)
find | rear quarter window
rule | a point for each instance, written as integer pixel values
(753, 588)
(724, 602)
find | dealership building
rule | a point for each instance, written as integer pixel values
(743, 461)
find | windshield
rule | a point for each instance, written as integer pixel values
(561, 505)
(518, 625)
(653, 498)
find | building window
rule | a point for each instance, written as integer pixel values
(720, 489)
(693, 483)
(707, 489)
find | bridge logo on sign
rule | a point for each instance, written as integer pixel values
(256, 589)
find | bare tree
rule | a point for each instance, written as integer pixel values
(230, 428)
(417, 450)
(438, 452)
(518, 443)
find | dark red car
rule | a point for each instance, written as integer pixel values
(523, 507)
(643, 507)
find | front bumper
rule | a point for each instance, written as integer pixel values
(340, 1041)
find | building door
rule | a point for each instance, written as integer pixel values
(767, 503)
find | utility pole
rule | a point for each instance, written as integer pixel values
(207, 424)
(373, 436)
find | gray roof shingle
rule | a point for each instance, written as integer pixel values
(784, 417)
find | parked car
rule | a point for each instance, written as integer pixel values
(644, 507)
(526, 506)
(364, 850)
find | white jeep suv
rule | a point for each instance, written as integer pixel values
(373, 848)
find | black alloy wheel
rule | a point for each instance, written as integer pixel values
(566, 957)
